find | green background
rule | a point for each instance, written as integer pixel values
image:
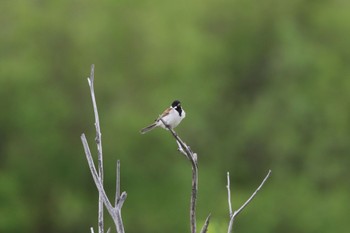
(265, 85)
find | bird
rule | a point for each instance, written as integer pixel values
(172, 117)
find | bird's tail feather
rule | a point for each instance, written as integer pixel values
(148, 128)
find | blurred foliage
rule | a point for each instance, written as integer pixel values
(265, 86)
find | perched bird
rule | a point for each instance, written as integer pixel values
(172, 116)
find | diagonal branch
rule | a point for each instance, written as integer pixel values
(206, 224)
(232, 218)
(96, 177)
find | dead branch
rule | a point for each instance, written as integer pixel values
(229, 194)
(115, 211)
(206, 224)
(98, 140)
(192, 157)
(232, 216)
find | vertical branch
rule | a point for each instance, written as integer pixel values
(115, 212)
(117, 186)
(246, 203)
(229, 194)
(186, 150)
(98, 140)
(194, 197)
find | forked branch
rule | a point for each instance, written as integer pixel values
(234, 214)
(115, 211)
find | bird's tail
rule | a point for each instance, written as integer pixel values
(148, 128)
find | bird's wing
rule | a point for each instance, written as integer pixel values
(165, 113)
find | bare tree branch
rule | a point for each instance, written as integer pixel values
(186, 150)
(98, 140)
(229, 194)
(95, 176)
(117, 186)
(206, 224)
(232, 218)
(115, 212)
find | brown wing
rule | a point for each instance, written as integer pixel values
(165, 113)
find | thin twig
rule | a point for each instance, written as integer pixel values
(92, 230)
(179, 148)
(206, 224)
(118, 209)
(246, 203)
(117, 186)
(184, 147)
(98, 140)
(229, 194)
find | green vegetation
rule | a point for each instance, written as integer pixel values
(265, 85)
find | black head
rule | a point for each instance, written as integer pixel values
(175, 104)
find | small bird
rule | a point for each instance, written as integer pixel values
(172, 116)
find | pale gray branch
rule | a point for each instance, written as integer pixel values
(229, 194)
(98, 140)
(206, 224)
(117, 186)
(115, 212)
(246, 203)
(186, 150)
(95, 175)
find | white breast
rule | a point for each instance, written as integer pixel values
(172, 119)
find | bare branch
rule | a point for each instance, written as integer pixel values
(181, 150)
(115, 212)
(186, 150)
(92, 230)
(184, 147)
(121, 200)
(246, 203)
(229, 194)
(206, 224)
(95, 175)
(117, 186)
(98, 140)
